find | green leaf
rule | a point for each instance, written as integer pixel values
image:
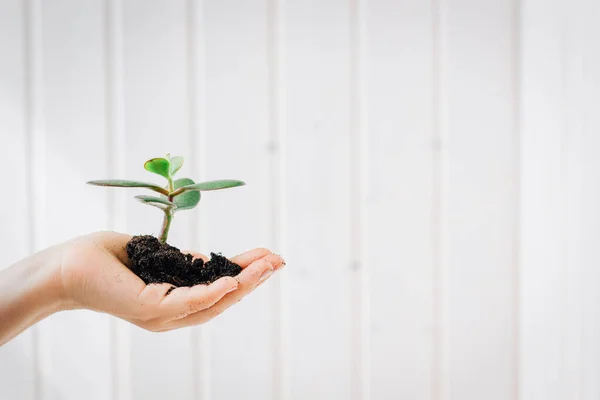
(152, 199)
(176, 163)
(211, 185)
(159, 202)
(128, 184)
(160, 206)
(185, 201)
(160, 166)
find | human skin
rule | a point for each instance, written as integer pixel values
(90, 272)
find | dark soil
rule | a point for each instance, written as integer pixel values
(157, 262)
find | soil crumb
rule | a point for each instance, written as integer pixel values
(156, 262)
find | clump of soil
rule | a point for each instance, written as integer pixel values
(157, 262)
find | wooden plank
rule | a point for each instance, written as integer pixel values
(120, 330)
(573, 189)
(574, 193)
(36, 145)
(17, 358)
(543, 234)
(71, 128)
(196, 76)
(75, 150)
(156, 122)
(277, 116)
(319, 186)
(238, 146)
(480, 201)
(361, 338)
(400, 198)
(591, 223)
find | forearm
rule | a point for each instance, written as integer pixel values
(30, 290)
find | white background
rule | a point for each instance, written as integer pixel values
(429, 169)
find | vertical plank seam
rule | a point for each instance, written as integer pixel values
(562, 204)
(571, 273)
(275, 38)
(437, 344)
(36, 155)
(196, 75)
(28, 123)
(115, 157)
(29, 141)
(565, 292)
(517, 136)
(440, 390)
(586, 102)
(436, 206)
(360, 295)
(580, 34)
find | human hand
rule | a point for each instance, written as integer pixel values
(94, 274)
(91, 272)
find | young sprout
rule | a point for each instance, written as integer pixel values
(177, 195)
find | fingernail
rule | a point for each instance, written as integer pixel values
(266, 274)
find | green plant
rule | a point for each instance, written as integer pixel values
(177, 195)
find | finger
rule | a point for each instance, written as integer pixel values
(147, 302)
(247, 258)
(140, 302)
(278, 263)
(184, 301)
(160, 325)
(248, 280)
(153, 294)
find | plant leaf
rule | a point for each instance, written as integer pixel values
(212, 185)
(159, 202)
(176, 163)
(128, 184)
(152, 199)
(160, 166)
(185, 201)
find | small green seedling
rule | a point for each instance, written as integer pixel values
(177, 195)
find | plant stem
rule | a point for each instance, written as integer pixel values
(164, 231)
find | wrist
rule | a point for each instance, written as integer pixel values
(42, 283)
(31, 291)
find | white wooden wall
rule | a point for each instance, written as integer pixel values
(429, 169)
